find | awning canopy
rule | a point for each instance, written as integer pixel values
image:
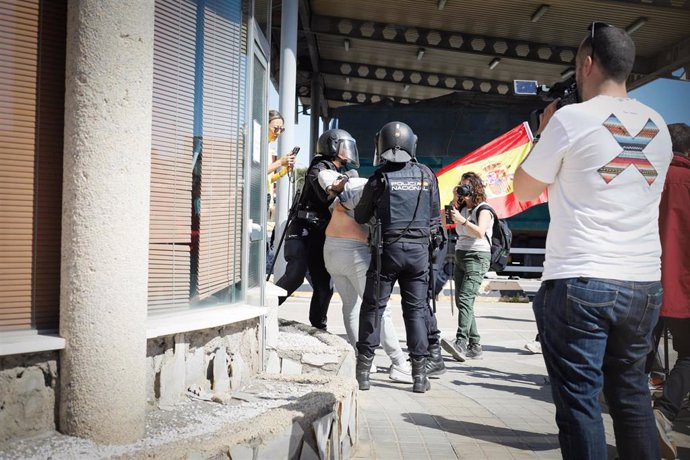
(361, 51)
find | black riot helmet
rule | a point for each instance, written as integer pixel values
(395, 142)
(338, 144)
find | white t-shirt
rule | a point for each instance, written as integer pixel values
(604, 210)
(467, 242)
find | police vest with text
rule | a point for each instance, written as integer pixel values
(405, 207)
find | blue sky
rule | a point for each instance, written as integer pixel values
(671, 98)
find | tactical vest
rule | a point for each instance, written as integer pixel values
(407, 190)
(309, 202)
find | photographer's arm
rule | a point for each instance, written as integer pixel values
(544, 160)
(526, 187)
(473, 230)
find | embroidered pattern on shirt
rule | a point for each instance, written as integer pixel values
(632, 150)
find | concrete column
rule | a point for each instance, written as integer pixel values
(288, 85)
(105, 218)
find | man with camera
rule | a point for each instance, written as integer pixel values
(604, 162)
(402, 199)
(336, 150)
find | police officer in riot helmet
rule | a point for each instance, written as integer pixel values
(336, 150)
(402, 202)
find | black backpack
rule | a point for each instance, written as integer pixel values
(500, 241)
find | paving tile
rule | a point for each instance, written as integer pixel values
(497, 407)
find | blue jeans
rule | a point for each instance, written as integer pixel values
(596, 333)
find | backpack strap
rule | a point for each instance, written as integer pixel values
(493, 213)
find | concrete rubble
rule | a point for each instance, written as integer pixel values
(285, 414)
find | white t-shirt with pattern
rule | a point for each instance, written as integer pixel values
(605, 161)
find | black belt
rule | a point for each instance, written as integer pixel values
(312, 218)
(308, 215)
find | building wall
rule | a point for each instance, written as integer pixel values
(156, 104)
(203, 363)
(28, 394)
(212, 361)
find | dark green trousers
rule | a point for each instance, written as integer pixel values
(470, 268)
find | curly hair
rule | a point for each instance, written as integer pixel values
(478, 192)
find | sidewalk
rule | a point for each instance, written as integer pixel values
(498, 407)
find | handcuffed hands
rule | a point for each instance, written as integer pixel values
(338, 185)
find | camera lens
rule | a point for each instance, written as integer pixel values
(463, 190)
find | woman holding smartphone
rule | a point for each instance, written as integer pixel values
(472, 259)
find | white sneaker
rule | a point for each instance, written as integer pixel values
(664, 427)
(401, 372)
(533, 347)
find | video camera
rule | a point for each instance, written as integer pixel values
(565, 90)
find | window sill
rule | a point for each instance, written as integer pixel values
(197, 319)
(15, 343)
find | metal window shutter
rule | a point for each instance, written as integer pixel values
(171, 155)
(32, 62)
(220, 226)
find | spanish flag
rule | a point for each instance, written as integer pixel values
(495, 163)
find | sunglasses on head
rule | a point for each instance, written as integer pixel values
(592, 28)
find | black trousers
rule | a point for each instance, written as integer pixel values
(677, 383)
(304, 251)
(408, 264)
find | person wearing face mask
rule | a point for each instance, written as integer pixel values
(287, 161)
(472, 259)
(279, 167)
(336, 150)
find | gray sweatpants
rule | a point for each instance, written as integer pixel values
(347, 261)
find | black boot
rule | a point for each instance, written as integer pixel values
(420, 382)
(434, 363)
(362, 370)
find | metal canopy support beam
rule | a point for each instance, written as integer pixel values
(288, 82)
(355, 97)
(664, 63)
(451, 41)
(316, 100)
(681, 5)
(442, 40)
(305, 19)
(414, 77)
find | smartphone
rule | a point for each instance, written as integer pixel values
(295, 150)
(447, 209)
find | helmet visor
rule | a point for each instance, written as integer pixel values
(347, 152)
